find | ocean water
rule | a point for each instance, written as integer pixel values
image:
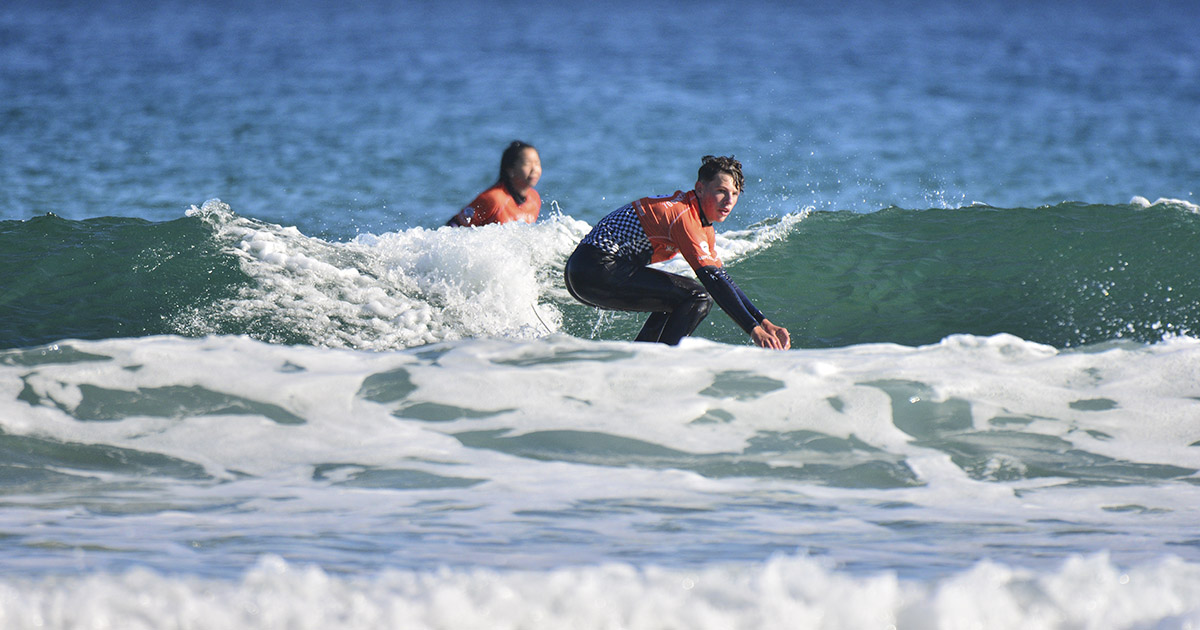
(247, 381)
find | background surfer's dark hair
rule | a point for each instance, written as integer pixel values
(509, 159)
(713, 165)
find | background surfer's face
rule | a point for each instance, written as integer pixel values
(717, 197)
(527, 171)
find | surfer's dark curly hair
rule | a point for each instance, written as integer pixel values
(712, 166)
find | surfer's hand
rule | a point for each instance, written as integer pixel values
(768, 335)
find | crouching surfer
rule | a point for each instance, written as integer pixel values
(609, 268)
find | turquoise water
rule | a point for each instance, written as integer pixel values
(1067, 275)
(246, 381)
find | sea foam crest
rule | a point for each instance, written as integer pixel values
(398, 289)
(1143, 202)
(487, 281)
(327, 292)
(784, 592)
(417, 286)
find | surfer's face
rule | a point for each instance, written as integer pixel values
(717, 197)
(527, 171)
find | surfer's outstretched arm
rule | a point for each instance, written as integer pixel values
(730, 297)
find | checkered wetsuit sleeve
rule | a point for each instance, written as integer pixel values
(621, 234)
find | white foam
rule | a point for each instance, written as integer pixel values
(1146, 394)
(1133, 404)
(489, 281)
(1143, 202)
(783, 593)
(416, 286)
(398, 289)
(645, 392)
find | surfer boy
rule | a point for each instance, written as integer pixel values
(609, 267)
(512, 197)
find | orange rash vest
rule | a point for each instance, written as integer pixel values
(496, 205)
(674, 225)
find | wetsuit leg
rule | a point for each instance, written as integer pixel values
(677, 304)
(652, 330)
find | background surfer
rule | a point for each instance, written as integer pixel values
(609, 266)
(512, 197)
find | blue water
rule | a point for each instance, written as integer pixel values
(385, 116)
(303, 405)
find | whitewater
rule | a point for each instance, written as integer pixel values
(207, 482)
